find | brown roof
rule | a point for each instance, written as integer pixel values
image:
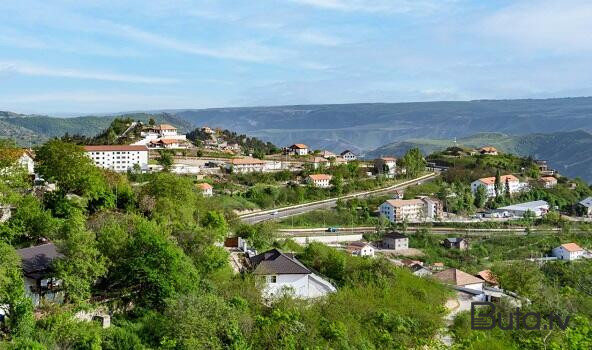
(166, 141)
(388, 159)
(204, 186)
(491, 180)
(245, 161)
(166, 127)
(548, 179)
(299, 145)
(319, 177)
(487, 276)
(456, 277)
(110, 148)
(403, 202)
(438, 264)
(571, 247)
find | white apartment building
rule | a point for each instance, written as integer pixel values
(398, 210)
(320, 180)
(489, 184)
(120, 158)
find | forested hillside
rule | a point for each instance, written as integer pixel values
(34, 129)
(568, 152)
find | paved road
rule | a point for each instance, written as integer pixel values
(267, 215)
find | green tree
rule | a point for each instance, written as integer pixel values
(215, 222)
(82, 264)
(480, 196)
(337, 183)
(67, 165)
(498, 183)
(165, 159)
(20, 321)
(414, 162)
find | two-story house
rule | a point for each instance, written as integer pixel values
(320, 180)
(568, 251)
(395, 240)
(386, 166)
(297, 149)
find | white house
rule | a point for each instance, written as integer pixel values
(318, 162)
(348, 155)
(165, 130)
(36, 265)
(586, 204)
(360, 249)
(320, 180)
(397, 210)
(568, 251)
(386, 166)
(489, 183)
(26, 160)
(206, 189)
(395, 241)
(118, 158)
(246, 165)
(298, 149)
(283, 274)
(538, 208)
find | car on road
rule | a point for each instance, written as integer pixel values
(274, 213)
(332, 229)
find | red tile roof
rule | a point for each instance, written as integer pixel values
(299, 145)
(319, 177)
(204, 186)
(491, 180)
(246, 161)
(572, 247)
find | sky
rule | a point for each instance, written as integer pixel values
(66, 56)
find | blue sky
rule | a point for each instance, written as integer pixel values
(106, 56)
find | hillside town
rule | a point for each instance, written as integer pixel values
(283, 216)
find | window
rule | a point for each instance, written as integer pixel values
(271, 279)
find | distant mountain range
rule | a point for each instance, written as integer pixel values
(364, 127)
(568, 152)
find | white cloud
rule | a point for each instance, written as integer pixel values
(557, 26)
(245, 51)
(390, 6)
(25, 68)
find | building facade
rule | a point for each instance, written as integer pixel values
(320, 180)
(568, 252)
(118, 158)
(488, 183)
(398, 210)
(395, 241)
(349, 155)
(386, 166)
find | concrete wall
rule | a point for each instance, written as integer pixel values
(329, 238)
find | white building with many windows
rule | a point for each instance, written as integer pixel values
(510, 181)
(398, 210)
(118, 158)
